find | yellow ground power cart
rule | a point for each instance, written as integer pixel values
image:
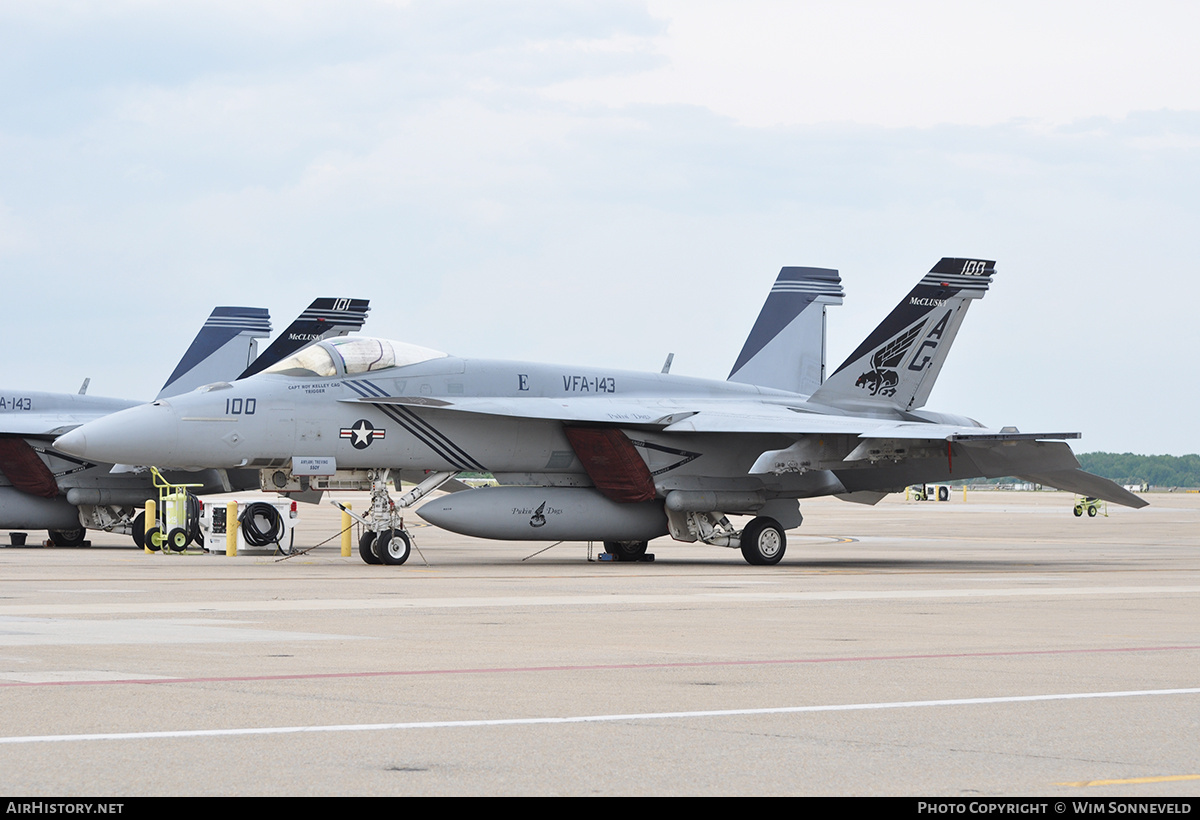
(175, 521)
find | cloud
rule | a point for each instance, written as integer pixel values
(162, 158)
(922, 63)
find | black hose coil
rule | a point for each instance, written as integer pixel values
(261, 536)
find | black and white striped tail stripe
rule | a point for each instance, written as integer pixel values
(961, 281)
(815, 288)
(240, 323)
(420, 429)
(255, 320)
(353, 318)
(811, 282)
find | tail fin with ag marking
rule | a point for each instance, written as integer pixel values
(899, 362)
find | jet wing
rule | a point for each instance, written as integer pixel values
(1039, 457)
(655, 412)
(672, 415)
(701, 415)
(791, 422)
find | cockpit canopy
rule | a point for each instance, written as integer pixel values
(350, 355)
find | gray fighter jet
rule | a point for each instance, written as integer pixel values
(605, 455)
(41, 488)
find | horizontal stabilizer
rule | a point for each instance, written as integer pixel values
(1084, 483)
(996, 460)
(1012, 436)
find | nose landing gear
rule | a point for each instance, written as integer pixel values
(385, 540)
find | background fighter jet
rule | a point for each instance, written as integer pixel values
(613, 456)
(43, 488)
(785, 348)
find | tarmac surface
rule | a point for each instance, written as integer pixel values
(986, 647)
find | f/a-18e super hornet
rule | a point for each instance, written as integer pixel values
(41, 488)
(606, 455)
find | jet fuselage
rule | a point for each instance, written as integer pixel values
(448, 414)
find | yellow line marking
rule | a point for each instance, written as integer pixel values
(1165, 779)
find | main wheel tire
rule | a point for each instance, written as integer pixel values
(1078, 511)
(366, 548)
(139, 530)
(393, 547)
(763, 542)
(177, 539)
(154, 540)
(1091, 512)
(68, 538)
(626, 550)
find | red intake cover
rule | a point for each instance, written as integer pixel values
(612, 463)
(21, 466)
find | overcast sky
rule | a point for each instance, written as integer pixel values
(602, 183)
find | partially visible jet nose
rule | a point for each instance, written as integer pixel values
(144, 435)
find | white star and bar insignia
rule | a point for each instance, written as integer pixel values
(362, 434)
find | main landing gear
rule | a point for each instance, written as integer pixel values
(385, 540)
(763, 542)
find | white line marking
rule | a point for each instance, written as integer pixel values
(77, 676)
(139, 631)
(465, 724)
(326, 604)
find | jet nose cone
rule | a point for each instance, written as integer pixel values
(140, 435)
(73, 443)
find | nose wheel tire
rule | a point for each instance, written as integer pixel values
(393, 547)
(626, 550)
(763, 542)
(366, 548)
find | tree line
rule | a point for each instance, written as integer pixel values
(1158, 471)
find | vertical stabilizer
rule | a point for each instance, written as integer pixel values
(786, 347)
(899, 362)
(222, 349)
(323, 319)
